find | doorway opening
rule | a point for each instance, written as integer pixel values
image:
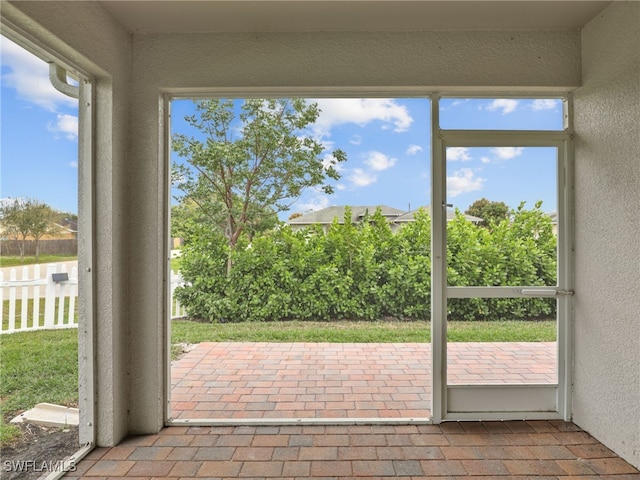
(511, 268)
(379, 263)
(319, 277)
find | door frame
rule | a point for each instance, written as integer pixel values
(441, 393)
(508, 402)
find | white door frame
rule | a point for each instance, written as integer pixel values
(541, 401)
(493, 402)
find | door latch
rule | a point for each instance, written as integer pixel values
(542, 292)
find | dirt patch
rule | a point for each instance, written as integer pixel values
(39, 451)
(179, 350)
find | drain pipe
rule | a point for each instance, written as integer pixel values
(58, 78)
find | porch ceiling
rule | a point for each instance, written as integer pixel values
(350, 15)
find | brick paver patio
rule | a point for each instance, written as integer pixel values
(327, 380)
(240, 380)
(466, 450)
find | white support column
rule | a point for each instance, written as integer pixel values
(438, 267)
(86, 261)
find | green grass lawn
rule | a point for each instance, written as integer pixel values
(36, 367)
(41, 308)
(42, 366)
(6, 261)
(360, 332)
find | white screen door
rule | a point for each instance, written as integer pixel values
(501, 316)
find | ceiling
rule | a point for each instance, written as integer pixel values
(207, 16)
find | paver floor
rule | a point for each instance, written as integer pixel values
(240, 380)
(464, 450)
(325, 380)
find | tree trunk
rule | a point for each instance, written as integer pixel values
(229, 263)
(21, 247)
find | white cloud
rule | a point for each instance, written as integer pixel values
(414, 149)
(340, 187)
(29, 76)
(66, 125)
(458, 154)
(360, 178)
(485, 160)
(356, 140)
(453, 104)
(378, 161)
(544, 104)
(73, 164)
(328, 145)
(313, 204)
(329, 160)
(361, 111)
(507, 105)
(7, 201)
(506, 153)
(463, 181)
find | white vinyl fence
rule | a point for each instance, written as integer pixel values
(33, 301)
(177, 310)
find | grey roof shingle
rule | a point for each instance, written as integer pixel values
(451, 214)
(394, 215)
(327, 215)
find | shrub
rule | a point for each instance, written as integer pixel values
(365, 271)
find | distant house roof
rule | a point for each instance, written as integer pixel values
(327, 215)
(394, 215)
(69, 224)
(451, 214)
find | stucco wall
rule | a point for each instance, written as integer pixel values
(314, 63)
(478, 59)
(131, 181)
(607, 253)
(87, 37)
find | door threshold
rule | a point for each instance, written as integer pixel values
(259, 422)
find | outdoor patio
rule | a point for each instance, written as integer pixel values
(327, 380)
(470, 450)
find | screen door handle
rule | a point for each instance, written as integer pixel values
(544, 292)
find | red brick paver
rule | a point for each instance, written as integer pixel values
(328, 380)
(498, 450)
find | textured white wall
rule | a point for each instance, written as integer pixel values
(87, 36)
(477, 59)
(396, 63)
(606, 399)
(131, 173)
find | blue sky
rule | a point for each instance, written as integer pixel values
(39, 133)
(388, 147)
(387, 142)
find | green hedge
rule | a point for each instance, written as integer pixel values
(365, 271)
